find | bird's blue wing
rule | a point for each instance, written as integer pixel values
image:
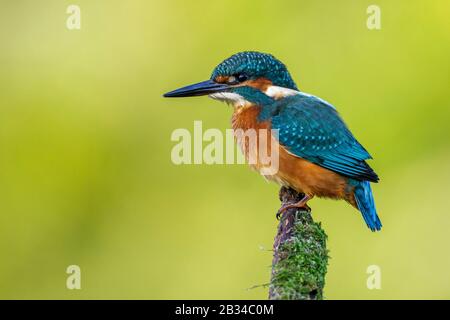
(312, 129)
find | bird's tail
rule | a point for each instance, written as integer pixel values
(366, 204)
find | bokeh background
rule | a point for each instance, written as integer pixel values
(86, 176)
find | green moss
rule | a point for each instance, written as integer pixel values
(300, 272)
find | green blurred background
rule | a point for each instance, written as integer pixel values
(85, 171)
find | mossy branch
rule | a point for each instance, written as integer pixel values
(300, 256)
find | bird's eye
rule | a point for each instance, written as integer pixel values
(241, 77)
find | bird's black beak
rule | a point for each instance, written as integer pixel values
(198, 89)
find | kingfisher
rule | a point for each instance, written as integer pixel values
(318, 155)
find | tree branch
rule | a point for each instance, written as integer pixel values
(300, 256)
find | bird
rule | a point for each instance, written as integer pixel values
(318, 154)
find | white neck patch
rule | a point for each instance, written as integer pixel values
(277, 92)
(230, 97)
(282, 92)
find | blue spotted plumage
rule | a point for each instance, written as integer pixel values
(256, 64)
(313, 130)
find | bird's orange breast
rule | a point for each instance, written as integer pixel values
(293, 171)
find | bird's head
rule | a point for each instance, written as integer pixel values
(242, 78)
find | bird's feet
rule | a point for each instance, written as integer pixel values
(302, 204)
